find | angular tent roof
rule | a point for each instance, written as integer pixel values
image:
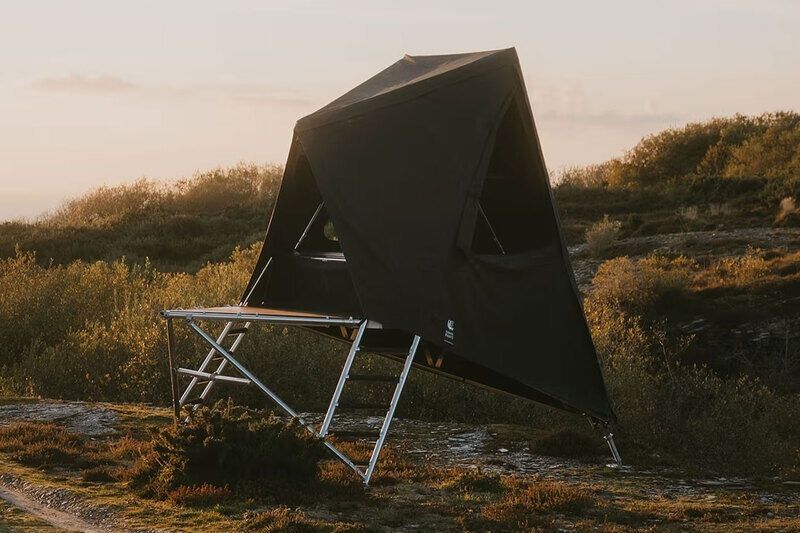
(432, 175)
(406, 77)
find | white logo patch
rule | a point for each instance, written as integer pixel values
(450, 332)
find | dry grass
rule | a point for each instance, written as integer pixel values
(285, 520)
(468, 481)
(99, 474)
(43, 445)
(203, 495)
(525, 502)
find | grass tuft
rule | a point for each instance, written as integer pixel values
(524, 502)
(43, 445)
(203, 495)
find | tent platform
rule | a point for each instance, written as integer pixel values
(261, 314)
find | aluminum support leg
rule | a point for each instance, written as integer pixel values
(337, 393)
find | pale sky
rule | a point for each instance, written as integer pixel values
(97, 92)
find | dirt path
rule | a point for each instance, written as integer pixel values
(54, 517)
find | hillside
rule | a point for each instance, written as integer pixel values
(179, 226)
(726, 173)
(686, 250)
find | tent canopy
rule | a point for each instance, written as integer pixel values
(420, 200)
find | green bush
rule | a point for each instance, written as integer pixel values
(225, 446)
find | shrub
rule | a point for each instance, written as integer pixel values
(602, 235)
(747, 270)
(229, 446)
(642, 287)
(72, 331)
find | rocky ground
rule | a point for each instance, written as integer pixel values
(37, 501)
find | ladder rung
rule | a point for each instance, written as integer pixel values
(362, 405)
(237, 331)
(373, 377)
(192, 401)
(212, 377)
(354, 434)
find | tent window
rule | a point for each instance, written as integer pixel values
(514, 204)
(313, 231)
(320, 236)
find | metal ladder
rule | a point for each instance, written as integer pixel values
(365, 471)
(201, 376)
(221, 357)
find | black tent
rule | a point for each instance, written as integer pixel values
(420, 201)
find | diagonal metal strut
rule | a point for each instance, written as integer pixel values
(203, 375)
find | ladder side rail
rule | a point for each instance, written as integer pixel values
(222, 364)
(337, 393)
(249, 375)
(205, 363)
(392, 406)
(173, 370)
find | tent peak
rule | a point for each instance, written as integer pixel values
(409, 74)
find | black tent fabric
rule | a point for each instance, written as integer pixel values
(434, 216)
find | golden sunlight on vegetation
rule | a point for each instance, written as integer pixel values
(685, 250)
(726, 172)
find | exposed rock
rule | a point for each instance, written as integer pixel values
(79, 417)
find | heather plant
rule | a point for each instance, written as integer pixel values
(225, 446)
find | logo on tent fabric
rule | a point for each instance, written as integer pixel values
(450, 332)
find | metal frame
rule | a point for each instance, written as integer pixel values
(491, 229)
(224, 357)
(608, 436)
